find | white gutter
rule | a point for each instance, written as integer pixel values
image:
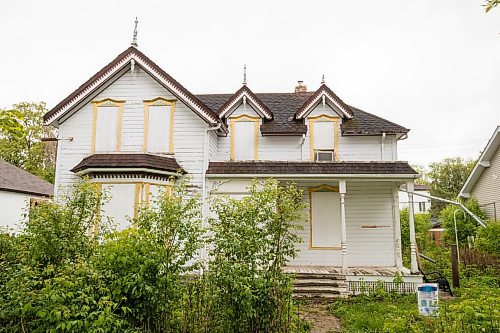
(478, 220)
(204, 205)
(317, 176)
(382, 146)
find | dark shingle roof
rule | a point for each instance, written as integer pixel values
(285, 105)
(141, 160)
(14, 179)
(272, 167)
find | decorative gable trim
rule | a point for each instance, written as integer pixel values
(134, 57)
(245, 95)
(323, 93)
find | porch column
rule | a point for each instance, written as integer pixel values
(343, 227)
(413, 243)
(397, 227)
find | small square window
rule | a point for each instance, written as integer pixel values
(324, 156)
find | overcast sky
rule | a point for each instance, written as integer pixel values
(432, 66)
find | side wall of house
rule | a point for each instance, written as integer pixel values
(487, 188)
(13, 206)
(133, 88)
(293, 148)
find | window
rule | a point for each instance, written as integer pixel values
(323, 131)
(244, 138)
(421, 206)
(158, 125)
(325, 222)
(106, 129)
(324, 155)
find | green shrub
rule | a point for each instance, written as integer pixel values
(488, 239)
(465, 227)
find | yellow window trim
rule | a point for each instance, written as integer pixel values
(107, 102)
(320, 188)
(159, 101)
(324, 118)
(245, 118)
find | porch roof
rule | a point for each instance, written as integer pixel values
(344, 169)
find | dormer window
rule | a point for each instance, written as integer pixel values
(244, 138)
(323, 131)
(107, 123)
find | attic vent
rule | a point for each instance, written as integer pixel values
(301, 87)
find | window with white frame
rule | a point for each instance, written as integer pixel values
(158, 125)
(244, 138)
(106, 136)
(323, 138)
(325, 217)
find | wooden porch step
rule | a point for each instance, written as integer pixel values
(319, 290)
(319, 282)
(320, 296)
(320, 286)
(315, 276)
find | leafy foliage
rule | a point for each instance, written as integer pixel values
(488, 239)
(21, 131)
(447, 178)
(466, 226)
(490, 4)
(422, 226)
(68, 272)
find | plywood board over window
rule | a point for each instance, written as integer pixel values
(324, 134)
(159, 125)
(325, 229)
(244, 138)
(107, 125)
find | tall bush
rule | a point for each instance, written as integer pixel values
(465, 226)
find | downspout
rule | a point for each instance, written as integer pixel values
(203, 176)
(302, 146)
(382, 147)
(478, 220)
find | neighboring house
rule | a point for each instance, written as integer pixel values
(133, 127)
(19, 190)
(483, 182)
(420, 204)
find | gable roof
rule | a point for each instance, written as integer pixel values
(108, 71)
(284, 106)
(482, 163)
(328, 94)
(14, 179)
(243, 95)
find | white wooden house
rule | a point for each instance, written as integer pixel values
(133, 126)
(420, 204)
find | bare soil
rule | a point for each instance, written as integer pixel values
(322, 321)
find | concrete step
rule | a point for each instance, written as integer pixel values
(319, 296)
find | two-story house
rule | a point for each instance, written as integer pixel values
(132, 126)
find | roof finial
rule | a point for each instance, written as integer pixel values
(134, 39)
(323, 79)
(245, 75)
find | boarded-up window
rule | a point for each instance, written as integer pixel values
(244, 140)
(159, 129)
(121, 205)
(106, 129)
(324, 135)
(325, 219)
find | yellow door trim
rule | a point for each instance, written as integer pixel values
(320, 188)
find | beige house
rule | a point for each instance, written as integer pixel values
(484, 180)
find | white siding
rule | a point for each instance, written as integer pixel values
(487, 188)
(13, 206)
(134, 88)
(368, 204)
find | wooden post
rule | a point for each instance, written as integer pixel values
(343, 226)
(413, 242)
(454, 266)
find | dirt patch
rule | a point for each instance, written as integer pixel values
(322, 321)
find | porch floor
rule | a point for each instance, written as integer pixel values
(359, 270)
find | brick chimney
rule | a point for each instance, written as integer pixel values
(300, 88)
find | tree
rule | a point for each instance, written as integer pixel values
(21, 131)
(424, 180)
(447, 178)
(490, 4)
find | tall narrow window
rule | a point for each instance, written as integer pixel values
(244, 138)
(158, 125)
(106, 130)
(325, 217)
(324, 138)
(122, 203)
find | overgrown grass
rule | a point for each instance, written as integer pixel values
(476, 310)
